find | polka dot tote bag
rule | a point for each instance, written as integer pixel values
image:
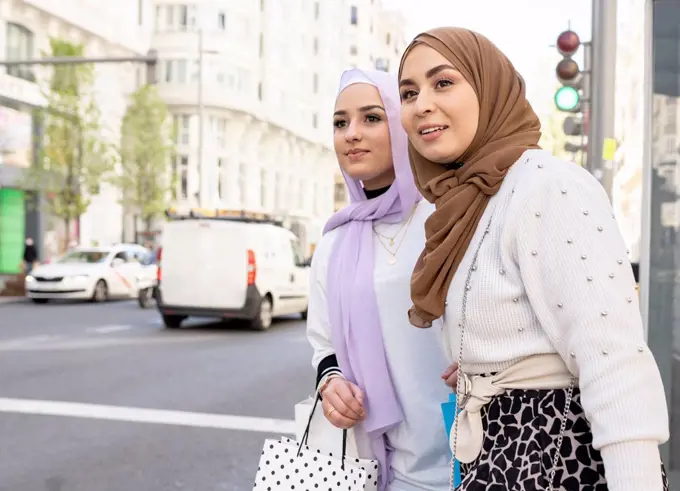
(289, 465)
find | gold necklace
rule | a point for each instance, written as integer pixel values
(391, 239)
(392, 259)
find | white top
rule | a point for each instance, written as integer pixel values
(552, 276)
(414, 356)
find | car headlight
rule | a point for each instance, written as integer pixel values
(29, 279)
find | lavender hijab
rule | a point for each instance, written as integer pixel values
(356, 332)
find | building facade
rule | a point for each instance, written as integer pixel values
(629, 131)
(121, 28)
(376, 39)
(251, 86)
(660, 223)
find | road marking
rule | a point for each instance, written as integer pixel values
(59, 344)
(27, 341)
(152, 416)
(109, 329)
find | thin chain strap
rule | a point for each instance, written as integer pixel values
(560, 438)
(462, 324)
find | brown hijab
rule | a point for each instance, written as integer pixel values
(507, 127)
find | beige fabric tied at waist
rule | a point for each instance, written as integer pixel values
(537, 372)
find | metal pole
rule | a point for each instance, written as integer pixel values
(151, 58)
(201, 110)
(603, 90)
(647, 167)
(587, 104)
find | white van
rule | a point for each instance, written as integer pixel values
(230, 268)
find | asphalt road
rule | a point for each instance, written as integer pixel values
(109, 363)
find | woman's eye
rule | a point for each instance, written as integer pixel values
(407, 94)
(443, 83)
(372, 119)
(339, 123)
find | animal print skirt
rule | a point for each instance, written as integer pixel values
(521, 429)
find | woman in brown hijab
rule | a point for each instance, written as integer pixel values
(526, 274)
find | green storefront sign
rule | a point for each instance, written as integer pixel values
(12, 230)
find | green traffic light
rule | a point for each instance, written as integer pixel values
(567, 98)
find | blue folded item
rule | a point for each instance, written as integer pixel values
(449, 411)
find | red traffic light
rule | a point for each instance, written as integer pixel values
(568, 43)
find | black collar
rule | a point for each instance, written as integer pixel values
(374, 193)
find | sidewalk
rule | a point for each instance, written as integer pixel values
(6, 300)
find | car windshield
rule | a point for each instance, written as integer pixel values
(84, 257)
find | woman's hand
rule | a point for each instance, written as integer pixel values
(450, 375)
(343, 403)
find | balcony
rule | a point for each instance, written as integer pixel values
(21, 89)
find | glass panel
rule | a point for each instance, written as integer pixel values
(664, 257)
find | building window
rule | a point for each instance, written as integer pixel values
(19, 47)
(353, 50)
(259, 91)
(243, 183)
(220, 178)
(261, 5)
(263, 187)
(316, 11)
(354, 16)
(388, 38)
(181, 71)
(169, 68)
(221, 132)
(339, 192)
(316, 83)
(140, 12)
(261, 45)
(315, 120)
(316, 46)
(183, 16)
(183, 176)
(221, 21)
(382, 64)
(182, 123)
(175, 17)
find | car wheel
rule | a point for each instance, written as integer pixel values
(263, 320)
(101, 292)
(173, 321)
(39, 300)
(145, 298)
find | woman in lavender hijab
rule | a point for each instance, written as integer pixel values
(376, 374)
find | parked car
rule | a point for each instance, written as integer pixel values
(147, 282)
(89, 273)
(230, 268)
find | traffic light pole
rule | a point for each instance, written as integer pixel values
(603, 87)
(150, 60)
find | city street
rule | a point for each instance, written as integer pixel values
(102, 398)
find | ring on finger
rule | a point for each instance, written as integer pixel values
(330, 411)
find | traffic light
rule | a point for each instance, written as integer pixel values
(568, 97)
(573, 126)
(151, 62)
(571, 147)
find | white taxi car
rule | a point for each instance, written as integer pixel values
(90, 273)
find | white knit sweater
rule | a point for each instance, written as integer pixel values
(552, 276)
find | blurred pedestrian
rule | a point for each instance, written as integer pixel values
(375, 373)
(30, 255)
(526, 273)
